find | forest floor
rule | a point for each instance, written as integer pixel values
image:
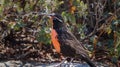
(19, 63)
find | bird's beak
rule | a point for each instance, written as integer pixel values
(51, 15)
(50, 18)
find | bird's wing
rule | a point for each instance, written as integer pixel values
(67, 38)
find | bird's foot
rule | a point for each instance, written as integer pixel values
(66, 62)
(62, 62)
(71, 61)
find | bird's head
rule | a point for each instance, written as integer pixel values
(56, 20)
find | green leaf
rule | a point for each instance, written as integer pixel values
(44, 37)
(68, 17)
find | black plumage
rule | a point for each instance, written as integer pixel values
(69, 45)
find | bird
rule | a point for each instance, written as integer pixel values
(64, 42)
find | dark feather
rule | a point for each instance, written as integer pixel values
(69, 44)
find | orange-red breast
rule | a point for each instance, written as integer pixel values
(65, 42)
(55, 42)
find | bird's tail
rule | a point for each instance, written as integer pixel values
(88, 61)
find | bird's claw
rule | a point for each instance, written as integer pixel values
(65, 62)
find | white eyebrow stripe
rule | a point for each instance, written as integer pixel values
(58, 19)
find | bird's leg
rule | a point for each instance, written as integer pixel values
(61, 56)
(71, 60)
(68, 59)
(63, 61)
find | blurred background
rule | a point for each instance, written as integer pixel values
(25, 31)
